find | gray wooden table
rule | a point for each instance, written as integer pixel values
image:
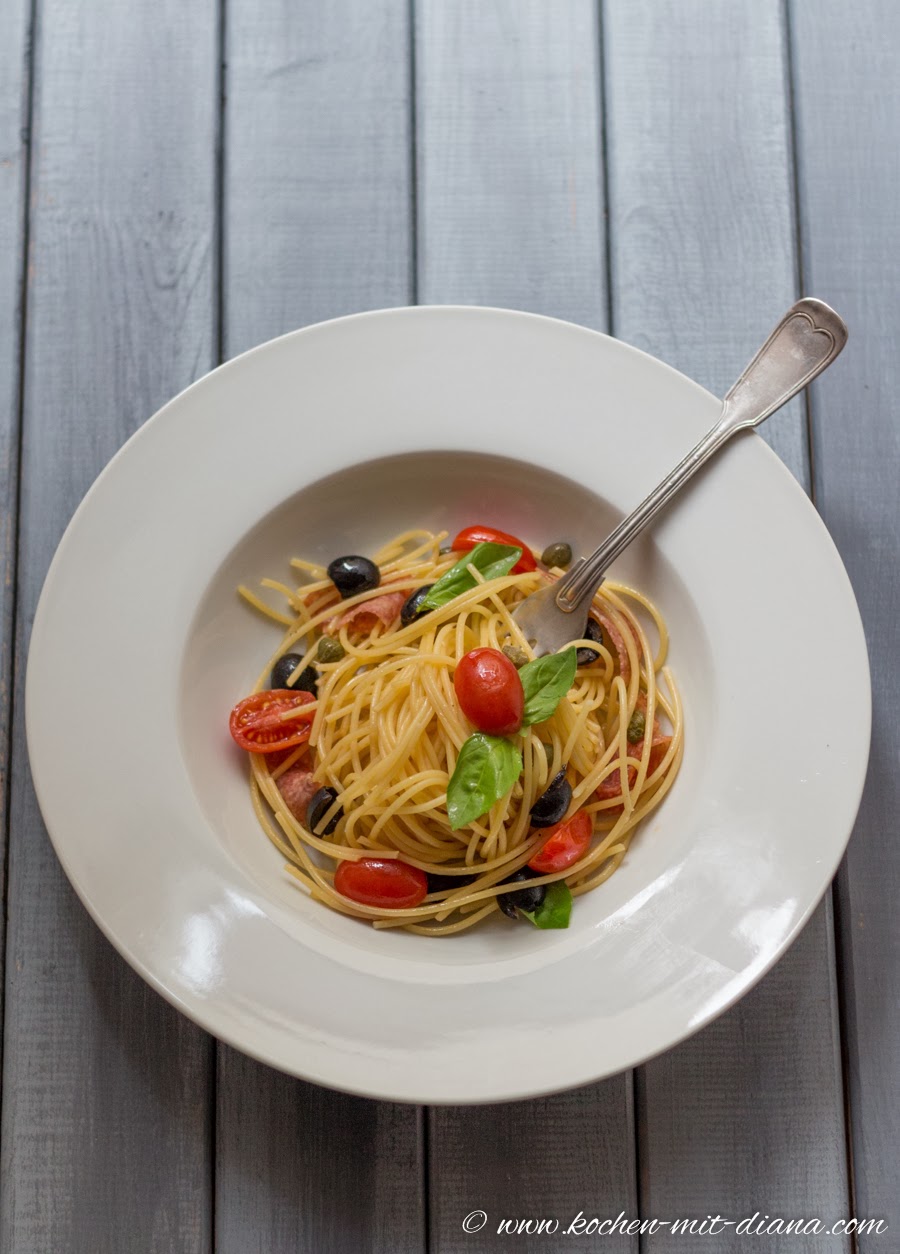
(180, 179)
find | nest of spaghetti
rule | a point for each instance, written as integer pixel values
(372, 774)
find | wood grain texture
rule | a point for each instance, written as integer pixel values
(508, 139)
(317, 222)
(510, 212)
(550, 1158)
(847, 92)
(106, 1088)
(748, 1115)
(317, 163)
(14, 79)
(701, 197)
(301, 1168)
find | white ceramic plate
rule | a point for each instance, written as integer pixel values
(327, 441)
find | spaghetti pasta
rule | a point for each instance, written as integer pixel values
(386, 732)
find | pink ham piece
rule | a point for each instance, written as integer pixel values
(612, 785)
(298, 786)
(381, 609)
(618, 641)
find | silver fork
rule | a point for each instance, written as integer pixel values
(803, 344)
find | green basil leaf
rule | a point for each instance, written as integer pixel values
(486, 769)
(556, 908)
(490, 560)
(546, 681)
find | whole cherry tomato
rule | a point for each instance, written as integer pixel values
(386, 883)
(267, 722)
(567, 842)
(479, 534)
(489, 691)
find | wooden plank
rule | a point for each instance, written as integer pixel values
(318, 189)
(14, 75)
(106, 1088)
(551, 1158)
(510, 208)
(847, 92)
(704, 258)
(301, 1168)
(510, 212)
(748, 1115)
(317, 222)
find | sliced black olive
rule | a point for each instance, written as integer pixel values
(551, 805)
(524, 898)
(558, 554)
(411, 610)
(592, 631)
(307, 681)
(318, 804)
(329, 650)
(445, 883)
(284, 669)
(353, 574)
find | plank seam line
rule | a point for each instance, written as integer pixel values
(219, 341)
(425, 1138)
(27, 112)
(794, 175)
(413, 158)
(606, 222)
(602, 105)
(219, 190)
(838, 930)
(639, 1136)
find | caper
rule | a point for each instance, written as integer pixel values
(592, 631)
(552, 804)
(558, 554)
(517, 656)
(329, 649)
(636, 727)
(315, 811)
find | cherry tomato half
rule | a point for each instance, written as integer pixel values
(258, 723)
(489, 691)
(386, 883)
(567, 842)
(478, 534)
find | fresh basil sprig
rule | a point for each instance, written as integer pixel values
(546, 681)
(556, 908)
(490, 560)
(486, 769)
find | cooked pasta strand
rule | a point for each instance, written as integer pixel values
(387, 731)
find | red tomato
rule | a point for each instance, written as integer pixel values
(385, 883)
(258, 724)
(566, 843)
(489, 691)
(470, 536)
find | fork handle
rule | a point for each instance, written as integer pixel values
(802, 345)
